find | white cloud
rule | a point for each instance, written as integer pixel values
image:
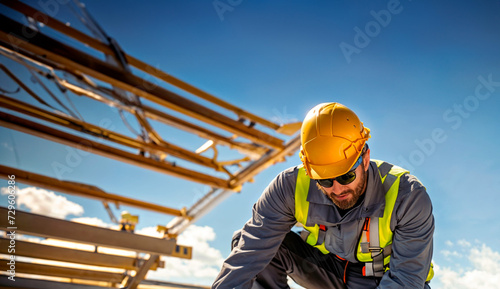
(449, 254)
(149, 231)
(43, 202)
(463, 243)
(482, 270)
(485, 259)
(202, 268)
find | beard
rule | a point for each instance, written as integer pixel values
(356, 193)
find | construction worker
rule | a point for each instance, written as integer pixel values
(128, 222)
(367, 223)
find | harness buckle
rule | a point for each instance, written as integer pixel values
(375, 249)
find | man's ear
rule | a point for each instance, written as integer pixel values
(366, 159)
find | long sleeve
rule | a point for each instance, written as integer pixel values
(412, 242)
(261, 236)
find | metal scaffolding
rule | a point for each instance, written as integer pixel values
(109, 76)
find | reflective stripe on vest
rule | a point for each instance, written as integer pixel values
(375, 243)
(374, 249)
(313, 236)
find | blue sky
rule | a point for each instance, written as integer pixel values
(413, 80)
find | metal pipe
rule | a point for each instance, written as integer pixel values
(52, 134)
(84, 190)
(48, 252)
(98, 45)
(73, 59)
(108, 135)
(155, 114)
(43, 226)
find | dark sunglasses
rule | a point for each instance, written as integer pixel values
(344, 179)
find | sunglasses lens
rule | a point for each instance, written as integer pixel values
(347, 178)
(326, 183)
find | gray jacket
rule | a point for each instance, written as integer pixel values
(273, 216)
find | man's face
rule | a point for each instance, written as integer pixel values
(346, 196)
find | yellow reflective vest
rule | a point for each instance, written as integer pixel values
(375, 241)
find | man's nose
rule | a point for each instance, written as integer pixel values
(336, 189)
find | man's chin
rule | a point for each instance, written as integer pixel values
(345, 202)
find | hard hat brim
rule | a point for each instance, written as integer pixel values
(332, 170)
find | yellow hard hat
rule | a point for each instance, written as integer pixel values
(332, 138)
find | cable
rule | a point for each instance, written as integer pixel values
(52, 95)
(10, 92)
(86, 20)
(120, 111)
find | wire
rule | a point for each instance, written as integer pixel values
(49, 75)
(120, 111)
(26, 88)
(86, 20)
(10, 92)
(53, 96)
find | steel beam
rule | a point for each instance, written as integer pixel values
(36, 129)
(42, 47)
(37, 225)
(84, 190)
(28, 283)
(198, 92)
(108, 135)
(41, 251)
(155, 114)
(245, 148)
(141, 273)
(73, 59)
(271, 158)
(64, 272)
(98, 45)
(57, 25)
